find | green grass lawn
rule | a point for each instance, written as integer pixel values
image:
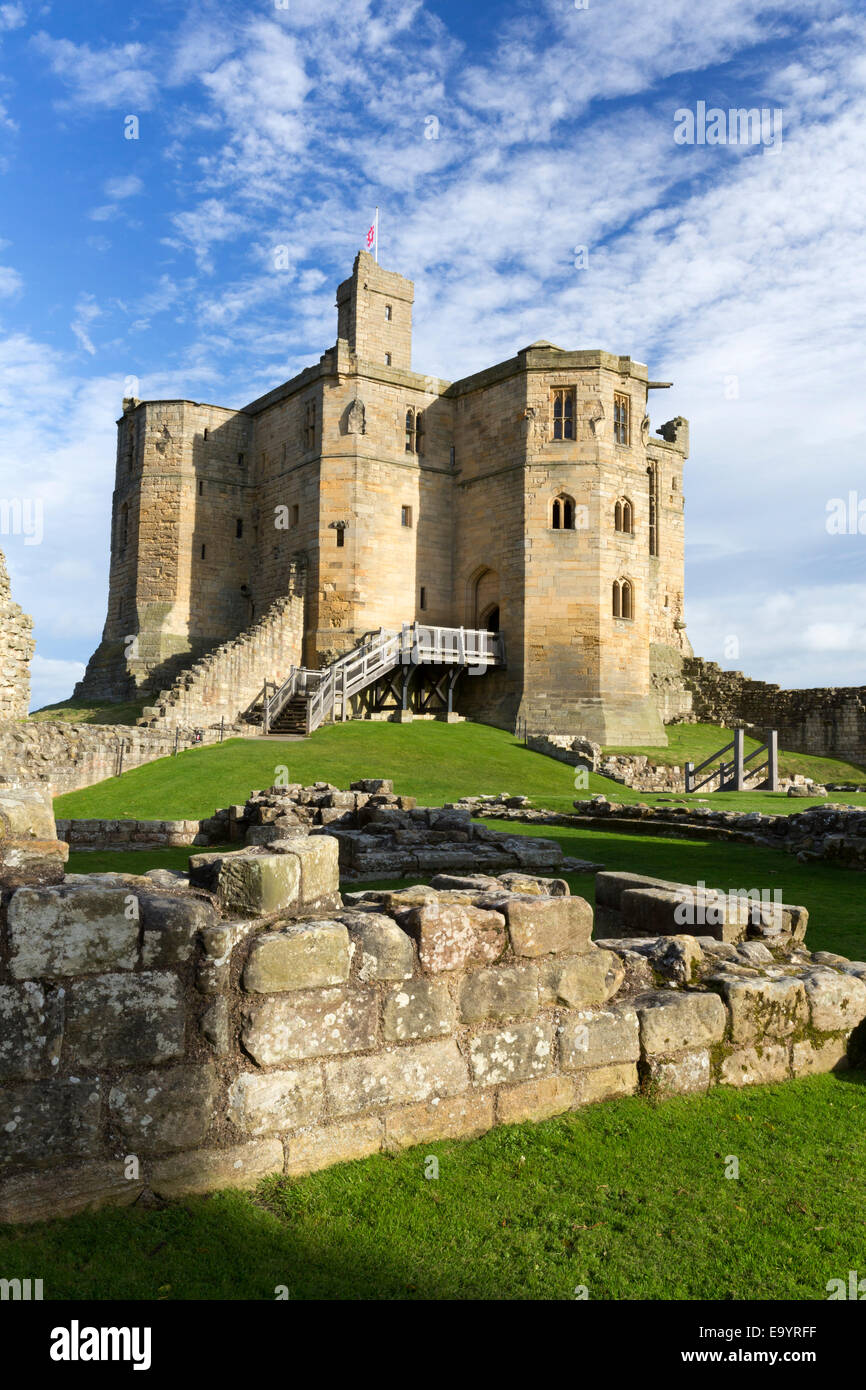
(135, 861)
(695, 742)
(834, 897)
(431, 761)
(624, 1198)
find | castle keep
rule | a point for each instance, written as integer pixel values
(529, 498)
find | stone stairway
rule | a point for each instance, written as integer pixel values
(222, 685)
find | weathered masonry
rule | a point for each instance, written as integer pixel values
(177, 1035)
(530, 499)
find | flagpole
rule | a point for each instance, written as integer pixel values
(377, 236)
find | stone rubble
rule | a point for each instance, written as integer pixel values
(249, 1019)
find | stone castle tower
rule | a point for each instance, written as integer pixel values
(529, 497)
(16, 652)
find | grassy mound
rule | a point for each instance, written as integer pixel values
(85, 712)
(431, 761)
(695, 742)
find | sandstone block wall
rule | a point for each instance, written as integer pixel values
(16, 652)
(451, 524)
(62, 756)
(222, 684)
(828, 723)
(178, 1035)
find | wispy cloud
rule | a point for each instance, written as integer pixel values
(735, 272)
(87, 311)
(106, 77)
(11, 283)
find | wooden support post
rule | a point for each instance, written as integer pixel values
(739, 751)
(690, 777)
(222, 726)
(772, 760)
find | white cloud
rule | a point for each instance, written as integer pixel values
(87, 311)
(12, 16)
(205, 226)
(125, 186)
(110, 77)
(11, 282)
(712, 265)
(52, 680)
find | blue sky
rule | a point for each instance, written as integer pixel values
(735, 270)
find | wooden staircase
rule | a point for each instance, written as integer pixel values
(306, 699)
(292, 718)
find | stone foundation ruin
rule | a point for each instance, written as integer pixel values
(380, 835)
(165, 1035)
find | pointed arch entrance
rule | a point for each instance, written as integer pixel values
(482, 599)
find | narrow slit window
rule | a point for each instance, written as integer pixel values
(239, 528)
(341, 537)
(422, 600)
(310, 425)
(203, 551)
(295, 515)
(389, 313)
(406, 516)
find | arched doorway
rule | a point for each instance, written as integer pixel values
(483, 598)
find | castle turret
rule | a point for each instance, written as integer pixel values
(375, 314)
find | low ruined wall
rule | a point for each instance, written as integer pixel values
(64, 757)
(633, 770)
(132, 834)
(826, 723)
(380, 835)
(177, 1039)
